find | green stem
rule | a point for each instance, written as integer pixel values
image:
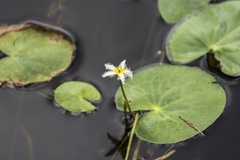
(126, 102)
(131, 136)
(123, 92)
(125, 111)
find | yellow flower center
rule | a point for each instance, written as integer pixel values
(118, 70)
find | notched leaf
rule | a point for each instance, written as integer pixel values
(211, 29)
(76, 97)
(213, 62)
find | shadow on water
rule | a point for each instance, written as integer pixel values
(33, 128)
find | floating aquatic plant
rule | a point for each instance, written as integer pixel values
(168, 92)
(76, 97)
(33, 54)
(212, 29)
(122, 72)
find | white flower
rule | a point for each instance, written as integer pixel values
(121, 71)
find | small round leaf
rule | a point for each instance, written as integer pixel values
(167, 92)
(75, 96)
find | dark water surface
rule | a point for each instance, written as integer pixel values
(33, 128)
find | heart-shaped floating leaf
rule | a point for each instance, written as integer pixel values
(214, 29)
(167, 92)
(174, 10)
(74, 96)
(33, 54)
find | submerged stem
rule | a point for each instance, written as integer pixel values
(43, 95)
(131, 136)
(119, 147)
(135, 154)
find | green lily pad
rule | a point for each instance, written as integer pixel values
(167, 92)
(215, 29)
(174, 10)
(75, 96)
(33, 54)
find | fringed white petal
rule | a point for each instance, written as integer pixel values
(122, 78)
(123, 64)
(109, 66)
(108, 74)
(128, 73)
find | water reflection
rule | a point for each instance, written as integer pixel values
(119, 147)
(29, 141)
(60, 12)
